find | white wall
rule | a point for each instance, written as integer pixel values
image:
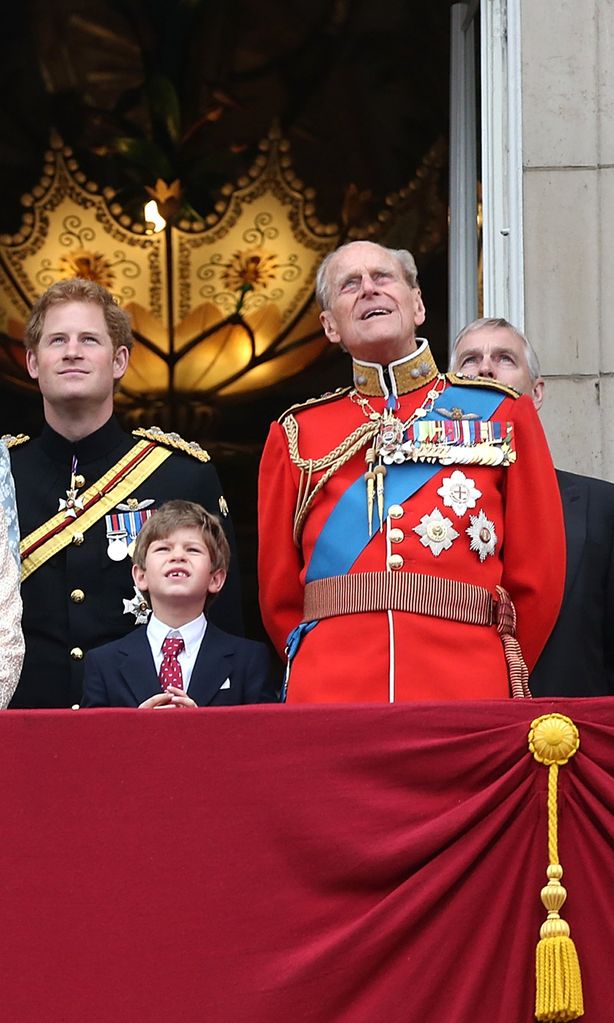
(568, 204)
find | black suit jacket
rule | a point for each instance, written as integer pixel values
(123, 673)
(578, 659)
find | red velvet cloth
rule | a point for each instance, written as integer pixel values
(321, 864)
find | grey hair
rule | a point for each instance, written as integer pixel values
(403, 257)
(497, 323)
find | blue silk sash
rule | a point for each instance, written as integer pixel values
(346, 531)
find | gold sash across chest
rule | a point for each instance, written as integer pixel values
(116, 484)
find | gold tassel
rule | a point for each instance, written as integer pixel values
(553, 739)
(370, 480)
(380, 472)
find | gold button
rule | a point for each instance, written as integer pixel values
(395, 562)
(77, 596)
(79, 481)
(77, 539)
(396, 511)
(396, 535)
(76, 653)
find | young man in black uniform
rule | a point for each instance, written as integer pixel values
(85, 488)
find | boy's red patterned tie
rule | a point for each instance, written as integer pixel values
(170, 669)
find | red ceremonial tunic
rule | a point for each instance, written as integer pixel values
(385, 656)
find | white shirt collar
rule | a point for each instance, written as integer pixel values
(191, 633)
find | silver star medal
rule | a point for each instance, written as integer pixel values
(482, 535)
(459, 493)
(138, 607)
(72, 504)
(436, 532)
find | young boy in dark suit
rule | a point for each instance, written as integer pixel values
(179, 659)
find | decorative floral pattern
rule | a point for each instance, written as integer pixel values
(8, 503)
(92, 266)
(252, 268)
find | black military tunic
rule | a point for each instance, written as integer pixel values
(75, 600)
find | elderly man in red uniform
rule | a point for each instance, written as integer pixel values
(411, 533)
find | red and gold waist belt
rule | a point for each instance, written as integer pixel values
(421, 594)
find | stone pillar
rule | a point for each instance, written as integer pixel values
(568, 206)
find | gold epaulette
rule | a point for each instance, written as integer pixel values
(173, 440)
(312, 402)
(460, 380)
(14, 442)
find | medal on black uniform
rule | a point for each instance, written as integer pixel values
(124, 525)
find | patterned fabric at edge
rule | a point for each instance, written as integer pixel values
(8, 502)
(11, 636)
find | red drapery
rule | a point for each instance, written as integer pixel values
(312, 865)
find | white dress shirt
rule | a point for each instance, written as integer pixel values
(192, 635)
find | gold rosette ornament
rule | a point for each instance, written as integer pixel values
(553, 740)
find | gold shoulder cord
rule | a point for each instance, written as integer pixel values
(14, 441)
(324, 399)
(329, 464)
(173, 440)
(461, 380)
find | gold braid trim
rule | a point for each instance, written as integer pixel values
(329, 464)
(362, 433)
(14, 441)
(461, 380)
(119, 481)
(173, 440)
(324, 399)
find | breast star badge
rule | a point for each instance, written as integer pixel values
(436, 532)
(138, 607)
(482, 534)
(459, 493)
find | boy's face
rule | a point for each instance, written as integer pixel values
(178, 569)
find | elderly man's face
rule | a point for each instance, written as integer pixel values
(500, 354)
(372, 309)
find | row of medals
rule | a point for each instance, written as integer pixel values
(132, 515)
(458, 492)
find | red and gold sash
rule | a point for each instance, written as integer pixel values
(116, 484)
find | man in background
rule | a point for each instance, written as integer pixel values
(578, 659)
